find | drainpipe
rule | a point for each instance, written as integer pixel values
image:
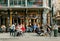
(0, 20)
(8, 17)
(25, 16)
(26, 3)
(8, 3)
(51, 16)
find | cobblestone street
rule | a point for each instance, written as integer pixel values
(27, 37)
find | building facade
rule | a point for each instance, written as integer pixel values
(25, 11)
(56, 15)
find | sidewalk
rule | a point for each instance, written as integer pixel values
(26, 37)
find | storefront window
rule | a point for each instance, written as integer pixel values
(3, 2)
(17, 2)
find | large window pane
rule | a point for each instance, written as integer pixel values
(21, 2)
(11, 2)
(3, 2)
(17, 2)
(35, 2)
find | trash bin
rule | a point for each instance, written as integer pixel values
(55, 33)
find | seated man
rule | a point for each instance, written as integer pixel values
(38, 31)
(29, 28)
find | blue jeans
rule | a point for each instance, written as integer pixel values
(29, 29)
(12, 32)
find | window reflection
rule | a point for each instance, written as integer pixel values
(17, 2)
(3, 2)
(35, 2)
(21, 2)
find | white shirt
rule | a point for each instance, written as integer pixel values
(13, 26)
(55, 27)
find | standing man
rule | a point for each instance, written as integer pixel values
(55, 30)
(12, 29)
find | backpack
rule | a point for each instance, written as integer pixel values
(49, 29)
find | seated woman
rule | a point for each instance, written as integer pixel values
(20, 29)
(3, 28)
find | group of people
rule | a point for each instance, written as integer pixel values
(39, 29)
(18, 29)
(45, 30)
